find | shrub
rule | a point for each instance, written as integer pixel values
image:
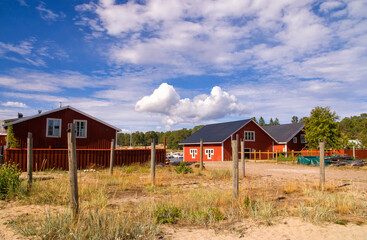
(9, 179)
(166, 214)
(183, 168)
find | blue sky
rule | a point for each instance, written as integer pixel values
(160, 65)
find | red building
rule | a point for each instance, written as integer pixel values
(49, 129)
(289, 136)
(217, 140)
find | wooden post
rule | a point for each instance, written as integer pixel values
(268, 155)
(260, 155)
(293, 156)
(152, 163)
(243, 158)
(276, 156)
(29, 160)
(235, 167)
(73, 176)
(1, 154)
(254, 155)
(112, 155)
(322, 164)
(354, 152)
(201, 154)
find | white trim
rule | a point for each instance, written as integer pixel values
(222, 152)
(209, 152)
(193, 152)
(304, 137)
(60, 109)
(86, 128)
(247, 140)
(60, 132)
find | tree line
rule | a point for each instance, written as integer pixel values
(173, 138)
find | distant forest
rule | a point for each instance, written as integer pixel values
(354, 127)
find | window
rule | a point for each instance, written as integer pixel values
(80, 128)
(53, 127)
(249, 136)
(303, 138)
(295, 140)
(209, 153)
(193, 153)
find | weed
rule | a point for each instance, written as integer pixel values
(183, 168)
(166, 214)
(9, 180)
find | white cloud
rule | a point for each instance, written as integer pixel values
(47, 14)
(14, 104)
(166, 101)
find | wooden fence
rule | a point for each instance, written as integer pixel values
(86, 158)
(292, 155)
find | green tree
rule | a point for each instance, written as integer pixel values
(12, 141)
(294, 119)
(271, 122)
(254, 118)
(322, 124)
(276, 122)
(262, 121)
(355, 127)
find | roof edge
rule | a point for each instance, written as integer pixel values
(300, 129)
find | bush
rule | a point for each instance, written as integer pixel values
(182, 168)
(9, 179)
(166, 214)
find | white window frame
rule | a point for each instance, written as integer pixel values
(53, 136)
(193, 153)
(209, 153)
(86, 128)
(303, 137)
(249, 140)
(295, 140)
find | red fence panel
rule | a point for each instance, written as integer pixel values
(86, 158)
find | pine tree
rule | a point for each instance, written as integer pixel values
(262, 121)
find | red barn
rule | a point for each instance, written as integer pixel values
(49, 129)
(289, 136)
(217, 140)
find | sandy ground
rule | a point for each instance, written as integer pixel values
(291, 228)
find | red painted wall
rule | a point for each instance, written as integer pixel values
(217, 156)
(98, 135)
(296, 146)
(2, 140)
(262, 141)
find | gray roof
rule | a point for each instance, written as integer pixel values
(285, 132)
(215, 133)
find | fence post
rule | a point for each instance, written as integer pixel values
(201, 154)
(322, 164)
(260, 158)
(29, 160)
(1, 155)
(235, 167)
(112, 155)
(152, 163)
(74, 202)
(255, 155)
(292, 156)
(243, 158)
(276, 156)
(354, 152)
(268, 155)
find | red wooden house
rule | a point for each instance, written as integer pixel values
(217, 140)
(49, 129)
(289, 136)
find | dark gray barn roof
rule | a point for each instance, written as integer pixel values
(215, 133)
(284, 132)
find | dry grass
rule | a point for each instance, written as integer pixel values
(125, 205)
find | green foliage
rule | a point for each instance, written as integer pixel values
(183, 168)
(255, 120)
(173, 138)
(12, 141)
(262, 121)
(276, 122)
(355, 127)
(294, 119)
(166, 214)
(320, 125)
(9, 179)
